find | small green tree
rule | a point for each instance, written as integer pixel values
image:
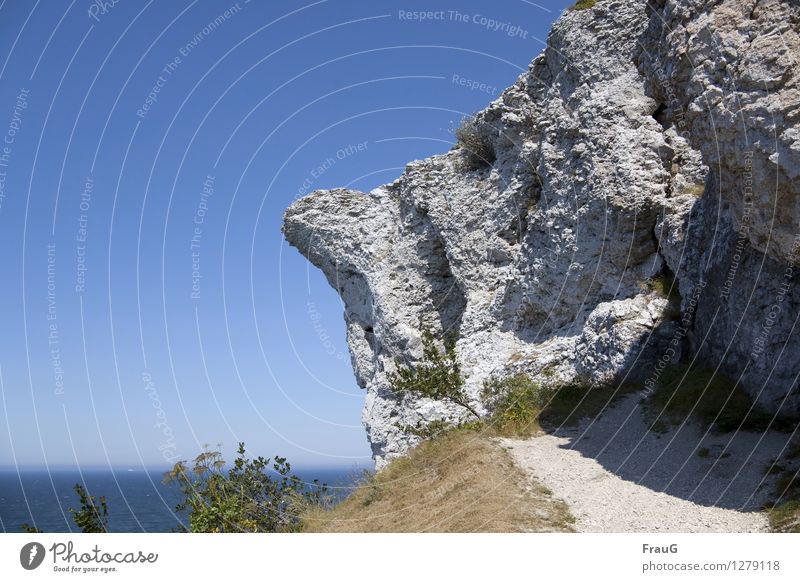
(244, 499)
(437, 375)
(92, 517)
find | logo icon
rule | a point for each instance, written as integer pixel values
(31, 555)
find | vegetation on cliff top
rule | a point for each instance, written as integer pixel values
(583, 4)
(254, 495)
(478, 149)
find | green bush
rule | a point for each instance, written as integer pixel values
(479, 150)
(245, 498)
(515, 403)
(584, 4)
(92, 517)
(519, 405)
(437, 375)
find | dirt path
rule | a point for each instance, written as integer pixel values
(616, 476)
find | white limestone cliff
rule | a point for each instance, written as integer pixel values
(644, 142)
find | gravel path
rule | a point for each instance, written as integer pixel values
(617, 476)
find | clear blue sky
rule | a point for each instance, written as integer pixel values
(113, 350)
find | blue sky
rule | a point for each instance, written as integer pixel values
(149, 301)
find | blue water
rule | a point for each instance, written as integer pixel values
(137, 500)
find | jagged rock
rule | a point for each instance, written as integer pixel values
(616, 158)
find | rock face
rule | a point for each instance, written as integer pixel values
(646, 142)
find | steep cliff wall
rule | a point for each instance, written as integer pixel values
(644, 142)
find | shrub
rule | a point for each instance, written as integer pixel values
(479, 150)
(372, 487)
(518, 404)
(515, 403)
(437, 375)
(244, 499)
(92, 517)
(584, 4)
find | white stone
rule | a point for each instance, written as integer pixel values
(538, 260)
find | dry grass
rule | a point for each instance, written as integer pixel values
(479, 150)
(461, 481)
(785, 518)
(696, 190)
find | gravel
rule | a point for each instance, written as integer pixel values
(617, 476)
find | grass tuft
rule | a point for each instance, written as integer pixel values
(479, 150)
(696, 190)
(666, 286)
(785, 518)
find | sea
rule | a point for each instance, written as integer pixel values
(138, 500)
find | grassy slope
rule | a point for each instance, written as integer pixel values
(461, 481)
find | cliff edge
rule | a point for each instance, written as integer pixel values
(650, 141)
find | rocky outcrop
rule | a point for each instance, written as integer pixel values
(646, 141)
